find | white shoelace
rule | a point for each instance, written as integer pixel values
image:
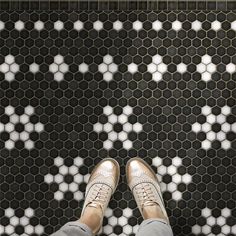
(99, 194)
(145, 193)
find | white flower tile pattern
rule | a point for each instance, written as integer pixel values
(9, 68)
(157, 68)
(171, 171)
(19, 127)
(21, 219)
(215, 225)
(215, 127)
(117, 127)
(68, 178)
(119, 221)
(206, 68)
(58, 68)
(108, 68)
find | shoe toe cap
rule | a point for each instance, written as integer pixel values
(108, 168)
(108, 165)
(137, 168)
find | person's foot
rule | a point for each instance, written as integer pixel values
(146, 189)
(101, 185)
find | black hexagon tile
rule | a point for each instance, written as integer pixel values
(80, 81)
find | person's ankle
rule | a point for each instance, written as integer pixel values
(92, 217)
(153, 211)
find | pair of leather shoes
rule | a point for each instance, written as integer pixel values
(141, 179)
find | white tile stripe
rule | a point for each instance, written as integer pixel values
(118, 25)
(206, 68)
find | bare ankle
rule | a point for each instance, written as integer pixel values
(92, 217)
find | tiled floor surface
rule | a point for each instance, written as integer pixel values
(78, 86)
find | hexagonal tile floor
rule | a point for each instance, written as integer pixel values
(77, 86)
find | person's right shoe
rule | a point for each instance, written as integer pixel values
(145, 186)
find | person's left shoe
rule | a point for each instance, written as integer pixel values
(101, 185)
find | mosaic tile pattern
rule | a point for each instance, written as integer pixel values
(78, 86)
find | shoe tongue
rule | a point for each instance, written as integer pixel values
(150, 203)
(94, 205)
